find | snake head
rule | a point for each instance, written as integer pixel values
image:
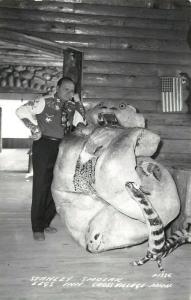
(138, 191)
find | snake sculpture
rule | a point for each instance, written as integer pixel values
(158, 246)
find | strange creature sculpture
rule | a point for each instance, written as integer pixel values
(91, 185)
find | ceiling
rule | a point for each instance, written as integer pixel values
(22, 20)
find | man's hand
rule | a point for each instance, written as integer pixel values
(76, 98)
(35, 130)
(36, 136)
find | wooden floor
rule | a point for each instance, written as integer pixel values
(59, 269)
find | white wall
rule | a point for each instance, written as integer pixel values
(12, 127)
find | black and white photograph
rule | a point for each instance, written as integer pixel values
(95, 149)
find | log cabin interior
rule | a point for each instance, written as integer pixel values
(130, 48)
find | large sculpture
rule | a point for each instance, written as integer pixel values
(93, 166)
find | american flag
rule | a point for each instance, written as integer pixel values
(171, 91)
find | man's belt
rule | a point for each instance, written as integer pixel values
(51, 138)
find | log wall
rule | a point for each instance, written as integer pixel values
(127, 46)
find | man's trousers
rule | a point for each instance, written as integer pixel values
(44, 154)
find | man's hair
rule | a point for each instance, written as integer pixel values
(64, 79)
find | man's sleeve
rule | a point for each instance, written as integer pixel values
(27, 114)
(30, 109)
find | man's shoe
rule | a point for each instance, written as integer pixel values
(50, 229)
(38, 236)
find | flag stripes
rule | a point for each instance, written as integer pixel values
(171, 92)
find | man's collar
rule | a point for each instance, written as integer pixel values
(57, 101)
(56, 98)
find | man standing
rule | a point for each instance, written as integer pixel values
(49, 119)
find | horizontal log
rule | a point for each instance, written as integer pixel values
(172, 132)
(50, 5)
(176, 146)
(108, 32)
(59, 19)
(121, 81)
(30, 5)
(80, 40)
(174, 159)
(24, 53)
(125, 93)
(168, 119)
(31, 61)
(36, 26)
(32, 41)
(132, 12)
(128, 55)
(149, 44)
(7, 46)
(91, 29)
(130, 32)
(137, 56)
(106, 68)
(140, 105)
(129, 3)
(97, 67)
(29, 56)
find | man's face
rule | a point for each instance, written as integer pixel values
(66, 91)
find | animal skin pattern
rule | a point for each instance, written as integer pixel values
(158, 247)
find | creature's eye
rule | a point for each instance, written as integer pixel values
(96, 236)
(122, 105)
(183, 80)
(101, 104)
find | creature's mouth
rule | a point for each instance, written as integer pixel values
(107, 120)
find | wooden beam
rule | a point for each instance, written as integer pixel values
(100, 9)
(71, 39)
(175, 158)
(135, 56)
(166, 119)
(125, 93)
(7, 46)
(112, 31)
(172, 132)
(23, 53)
(106, 10)
(60, 3)
(130, 32)
(125, 68)
(38, 5)
(59, 19)
(176, 146)
(121, 81)
(33, 61)
(47, 47)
